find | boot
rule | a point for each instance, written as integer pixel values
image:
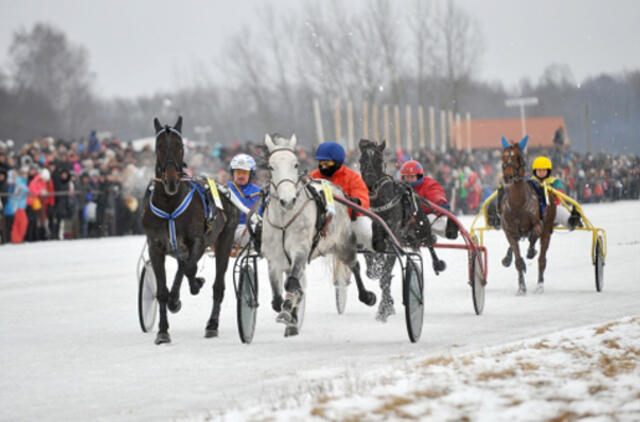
(451, 232)
(574, 219)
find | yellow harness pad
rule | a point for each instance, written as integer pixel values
(214, 192)
(328, 196)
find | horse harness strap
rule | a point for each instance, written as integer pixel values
(208, 211)
(322, 219)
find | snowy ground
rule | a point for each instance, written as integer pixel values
(72, 349)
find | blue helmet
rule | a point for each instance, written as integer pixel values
(330, 151)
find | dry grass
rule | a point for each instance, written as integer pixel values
(527, 366)
(595, 389)
(440, 361)
(605, 328)
(542, 344)
(507, 373)
(612, 366)
(565, 416)
(431, 393)
(611, 343)
(393, 406)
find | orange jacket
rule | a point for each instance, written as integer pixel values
(350, 182)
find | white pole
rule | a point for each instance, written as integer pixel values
(350, 125)
(318, 118)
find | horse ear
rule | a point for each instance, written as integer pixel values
(505, 143)
(178, 125)
(293, 141)
(523, 144)
(382, 145)
(269, 142)
(157, 124)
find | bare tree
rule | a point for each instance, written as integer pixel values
(45, 62)
(460, 41)
(422, 20)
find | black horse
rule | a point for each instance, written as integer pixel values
(179, 221)
(393, 201)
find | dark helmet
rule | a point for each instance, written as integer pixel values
(330, 151)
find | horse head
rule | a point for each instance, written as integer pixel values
(283, 167)
(169, 155)
(513, 160)
(371, 161)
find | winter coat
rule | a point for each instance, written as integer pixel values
(432, 191)
(351, 183)
(553, 182)
(248, 195)
(36, 187)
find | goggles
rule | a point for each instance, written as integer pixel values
(242, 172)
(326, 163)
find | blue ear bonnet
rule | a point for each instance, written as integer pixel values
(522, 144)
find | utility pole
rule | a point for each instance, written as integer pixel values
(587, 124)
(522, 102)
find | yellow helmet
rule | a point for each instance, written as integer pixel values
(541, 163)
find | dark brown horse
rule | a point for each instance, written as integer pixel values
(179, 221)
(520, 213)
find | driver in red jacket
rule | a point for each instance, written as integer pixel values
(412, 173)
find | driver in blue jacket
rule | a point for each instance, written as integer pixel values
(243, 168)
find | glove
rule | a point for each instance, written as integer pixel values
(43, 192)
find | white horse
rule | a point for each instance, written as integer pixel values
(289, 228)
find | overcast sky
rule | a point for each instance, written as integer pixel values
(141, 46)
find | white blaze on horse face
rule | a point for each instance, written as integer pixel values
(284, 175)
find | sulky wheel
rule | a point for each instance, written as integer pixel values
(598, 263)
(147, 301)
(247, 304)
(413, 294)
(477, 280)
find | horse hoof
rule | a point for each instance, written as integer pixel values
(521, 292)
(506, 261)
(196, 285)
(287, 318)
(368, 298)
(174, 307)
(539, 288)
(210, 332)
(385, 312)
(291, 331)
(439, 266)
(162, 338)
(531, 253)
(276, 303)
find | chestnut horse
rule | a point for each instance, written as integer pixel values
(520, 213)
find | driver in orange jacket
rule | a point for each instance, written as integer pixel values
(330, 157)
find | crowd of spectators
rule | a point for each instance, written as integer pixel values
(54, 189)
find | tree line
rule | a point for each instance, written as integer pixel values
(388, 53)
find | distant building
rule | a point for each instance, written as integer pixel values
(486, 134)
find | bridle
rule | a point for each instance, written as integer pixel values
(517, 167)
(296, 183)
(170, 156)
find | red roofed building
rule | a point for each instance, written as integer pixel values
(486, 134)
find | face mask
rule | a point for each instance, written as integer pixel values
(329, 171)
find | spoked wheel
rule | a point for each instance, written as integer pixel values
(341, 297)
(599, 265)
(247, 304)
(413, 292)
(147, 301)
(477, 281)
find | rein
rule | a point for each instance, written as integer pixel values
(375, 190)
(517, 168)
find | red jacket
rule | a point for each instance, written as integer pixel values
(350, 182)
(432, 191)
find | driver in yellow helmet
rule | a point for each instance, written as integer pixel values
(541, 168)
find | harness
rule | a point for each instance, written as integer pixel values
(170, 158)
(521, 164)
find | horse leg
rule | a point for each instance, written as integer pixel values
(438, 264)
(174, 304)
(294, 330)
(157, 261)
(223, 250)
(506, 261)
(294, 294)
(521, 266)
(191, 266)
(275, 279)
(386, 308)
(545, 239)
(533, 238)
